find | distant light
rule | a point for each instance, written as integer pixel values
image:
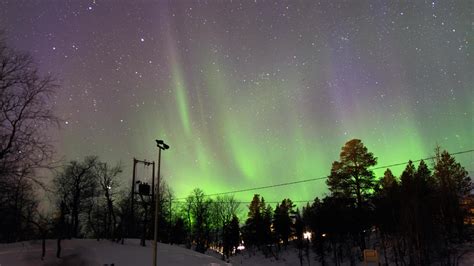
(109, 187)
(241, 247)
(307, 235)
(323, 235)
(142, 40)
(66, 122)
(90, 8)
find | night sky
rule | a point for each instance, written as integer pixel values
(253, 93)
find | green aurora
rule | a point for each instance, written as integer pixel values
(251, 94)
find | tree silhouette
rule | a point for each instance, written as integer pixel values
(200, 209)
(418, 220)
(75, 185)
(231, 238)
(351, 178)
(282, 221)
(387, 214)
(454, 184)
(108, 181)
(26, 113)
(257, 229)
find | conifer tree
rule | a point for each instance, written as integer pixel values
(257, 229)
(282, 222)
(350, 176)
(387, 213)
(454, 184)
(231, 239)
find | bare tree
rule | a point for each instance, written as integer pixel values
(165, 197)
(108, 181)
(200, 210)
(26, 111)
(17, 204)
(226, 208)
(75, 185)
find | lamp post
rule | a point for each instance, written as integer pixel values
(161, 146)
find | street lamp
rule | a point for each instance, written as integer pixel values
(161, 146)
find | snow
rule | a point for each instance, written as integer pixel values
(289, 256)
(93, 252)
(104, 252)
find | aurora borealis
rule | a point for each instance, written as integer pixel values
(253, 93)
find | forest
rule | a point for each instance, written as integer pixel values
(418, 218)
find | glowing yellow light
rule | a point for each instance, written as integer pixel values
(307, 235)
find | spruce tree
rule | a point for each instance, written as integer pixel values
(454, 184)
(282, 222)
(257, 229)
(231, 237)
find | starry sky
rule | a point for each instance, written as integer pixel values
(252, 93)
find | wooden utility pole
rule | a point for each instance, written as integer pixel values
(132, 195)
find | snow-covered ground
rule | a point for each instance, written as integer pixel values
(104, 252)
(289, 257)
(93, 252)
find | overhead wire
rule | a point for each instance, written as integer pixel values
(317, 178)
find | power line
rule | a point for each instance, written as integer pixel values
(318, 178)
(246, 202)
(419, 160)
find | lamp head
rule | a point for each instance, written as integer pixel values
(161, 144)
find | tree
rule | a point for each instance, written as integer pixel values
(75, 185)
(299, 231)
(231, 239)
(178, 231)
(417, 213)
(124, 214)
(350, 176)
(387, 214)
(387, 183)
(282, 222)
(454, 184)
(17, 204)
(26, 112)
(334, 225)
(225, 209)
(257, 229)
(165, 197)
(200, 210)
(451, 175)
(108, 181)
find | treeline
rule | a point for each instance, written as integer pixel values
(418, 218)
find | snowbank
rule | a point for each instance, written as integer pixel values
(93, 252)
